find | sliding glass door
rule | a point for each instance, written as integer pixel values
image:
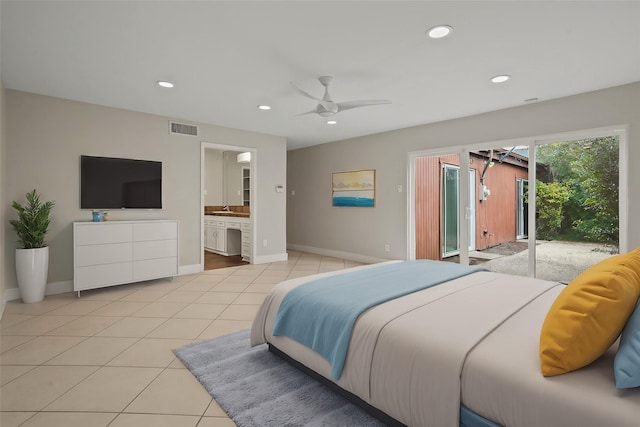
(522, 208)
(451, 210)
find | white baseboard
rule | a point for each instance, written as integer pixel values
(270, 258)
(11, 294)
(336, 254)
(67, 285)
(59, 287)
(190, 269)
(52, 288)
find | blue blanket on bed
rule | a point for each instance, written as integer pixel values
(321, 314)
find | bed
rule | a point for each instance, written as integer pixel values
(463, 351)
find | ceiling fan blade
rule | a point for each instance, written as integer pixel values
(327, 104)
(303, 93)
(314, 111)
(364, 103)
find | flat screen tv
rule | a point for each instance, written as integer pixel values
(112, 183)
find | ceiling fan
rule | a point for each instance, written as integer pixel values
(327, 107)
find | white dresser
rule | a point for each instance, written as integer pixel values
(117, 252)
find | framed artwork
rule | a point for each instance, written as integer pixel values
(354, 188)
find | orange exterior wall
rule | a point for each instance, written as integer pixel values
(428, 205)
(496, 215)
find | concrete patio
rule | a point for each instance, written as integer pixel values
(557, 261)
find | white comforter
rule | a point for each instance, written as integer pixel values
(417, 357)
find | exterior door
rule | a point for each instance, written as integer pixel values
(472, 210)
(451, 210)
(522, 209)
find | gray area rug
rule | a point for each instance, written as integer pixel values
(259, 389)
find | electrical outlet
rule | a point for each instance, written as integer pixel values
(264, 243)
(387, 248)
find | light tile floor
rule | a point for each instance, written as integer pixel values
(105, 359)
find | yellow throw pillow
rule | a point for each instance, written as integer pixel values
(589, 314)
(634, 260)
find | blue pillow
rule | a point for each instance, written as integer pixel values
(626, 366)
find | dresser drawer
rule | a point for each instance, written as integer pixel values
(155, 268)
(95, 276)
(103, 254)
(154, 249)
(98, 234)
(155, 231)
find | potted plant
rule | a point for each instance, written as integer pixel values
(32, 254)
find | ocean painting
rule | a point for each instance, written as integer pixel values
(354, 189)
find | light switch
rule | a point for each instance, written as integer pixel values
(279, 188)
(399, 188)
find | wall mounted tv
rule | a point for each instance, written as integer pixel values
(112, 183)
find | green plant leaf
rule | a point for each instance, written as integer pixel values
(33, 221)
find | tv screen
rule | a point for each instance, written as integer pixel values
(111, 183)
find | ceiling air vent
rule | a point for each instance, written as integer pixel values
(182, 129)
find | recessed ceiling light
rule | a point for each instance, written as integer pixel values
(264, 107)
(331, 122)
(439, 31)
(501, 78)
(164, 84)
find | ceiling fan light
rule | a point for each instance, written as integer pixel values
(331, 122)
(439, 31)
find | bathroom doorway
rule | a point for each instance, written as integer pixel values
(227, 206)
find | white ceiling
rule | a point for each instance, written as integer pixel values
(227, 57)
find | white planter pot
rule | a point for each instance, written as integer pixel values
(32, 266)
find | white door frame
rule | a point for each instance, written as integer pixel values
(521, 233)
(252, 196)
(443, 211)
(469, 211)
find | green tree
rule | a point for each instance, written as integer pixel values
(550, 199)
(590, 169)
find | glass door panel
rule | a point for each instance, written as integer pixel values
(450, 210)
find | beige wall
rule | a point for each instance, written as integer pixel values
(213, 181)
(4, 201)
(233, 179)
(46, 136)
(313, 223)
(223, 177)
